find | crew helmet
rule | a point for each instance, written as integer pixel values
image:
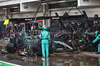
(45, 27)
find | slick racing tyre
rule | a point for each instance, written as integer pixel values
(10, 48)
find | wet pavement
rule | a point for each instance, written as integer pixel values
(55, 59)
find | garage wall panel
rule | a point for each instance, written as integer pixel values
(25, 15)
(2, 11)
(89, 3)
(2, 17)
(90, 12)
(29, 7)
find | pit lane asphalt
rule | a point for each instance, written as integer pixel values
(55, 59)
(18, 62)
(13, 61)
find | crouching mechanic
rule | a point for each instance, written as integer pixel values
(45, 37)
(97, 35)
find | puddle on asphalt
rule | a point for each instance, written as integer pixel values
(56, 60)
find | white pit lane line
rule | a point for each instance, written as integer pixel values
(9, 63)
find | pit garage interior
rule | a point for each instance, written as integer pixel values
(73, 25)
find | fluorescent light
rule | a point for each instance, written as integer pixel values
(4, 8)
(61, 1)
(15, 7)
(43, 3)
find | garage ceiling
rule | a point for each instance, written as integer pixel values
(57, 0)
